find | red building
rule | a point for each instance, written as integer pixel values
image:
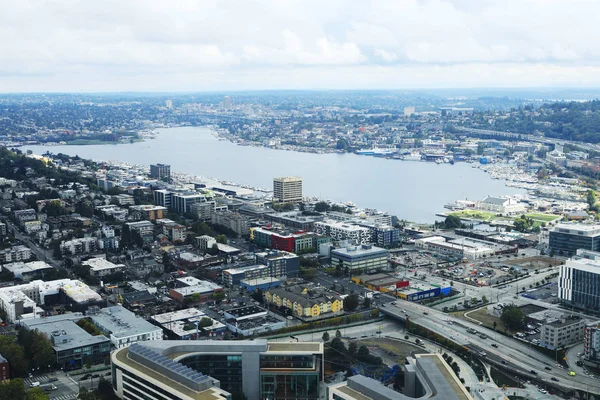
(4, 369)
(281, 242)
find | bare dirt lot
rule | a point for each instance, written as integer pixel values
(537, 262)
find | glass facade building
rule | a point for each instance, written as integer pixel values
(226, 368)
(568, 238)
(290, 376)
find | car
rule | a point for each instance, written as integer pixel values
(383, 305)
(53, 379)
(378, 332)
(503, 361)
(494, 345)
(548, 368)
(534, 372)
(482, 353)
(425, 313)
(394, 303)
(542, 391)
(554, 379)
(572, 373)
(290, 317)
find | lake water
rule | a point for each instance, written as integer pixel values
(411, 190)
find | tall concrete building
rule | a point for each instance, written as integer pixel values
(160, 171)
(210, 369)
(287, 189)
(169, 103)
(226, 102)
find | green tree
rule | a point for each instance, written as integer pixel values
(352, 349)
(484, 299)
(85, 394)
(12, 389)
(452, 222)
(367, 302)
(338, 334)
(218, 296)
(41, 350)
(105, 390)
(513, 317)
(205, 322)
(325, 336)
(222, 239)
(322, 206)
(351, 302)
(36, 393)
(167, 263)
(591, 198)
(15, 355)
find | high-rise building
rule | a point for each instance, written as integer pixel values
(579, 281)
(226, 102)
(160, 171)
(287, 189)
(169, 103)
(210, 369)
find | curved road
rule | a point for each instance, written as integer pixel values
(514, 352)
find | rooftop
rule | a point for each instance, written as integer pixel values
(245, 311)
(363, 250)
(240, 270)
(101, 264)
(177, 315)
(19, 268)
(64, 333)
(122, 322)
(177, 385)
(295, 347)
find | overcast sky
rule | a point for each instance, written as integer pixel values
(170, 45)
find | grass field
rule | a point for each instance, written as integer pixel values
(474, 214)
(486, 319)
(542, 217)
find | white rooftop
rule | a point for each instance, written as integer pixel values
(101, 264)
(177, 315)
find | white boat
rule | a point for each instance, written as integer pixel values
(412, 157)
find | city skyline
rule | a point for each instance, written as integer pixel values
(188, 46)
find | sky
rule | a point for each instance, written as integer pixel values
(207, 45)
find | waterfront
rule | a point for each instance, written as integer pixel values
(411, 190)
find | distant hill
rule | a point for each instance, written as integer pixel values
(573, 120)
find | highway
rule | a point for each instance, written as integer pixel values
(519, 356)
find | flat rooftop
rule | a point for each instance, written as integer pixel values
(70, 332)
(177, 315)
(101, 264)
(295, 347)
(19, 268)
(121, 322)
(245, 311)
(364, 250)
(212, 393)
(240, 270)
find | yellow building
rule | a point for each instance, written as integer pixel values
(305, 303)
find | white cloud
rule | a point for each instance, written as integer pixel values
(228, 44)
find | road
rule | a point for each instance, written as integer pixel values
(41, 254)
(66, 389)
(518, 355)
